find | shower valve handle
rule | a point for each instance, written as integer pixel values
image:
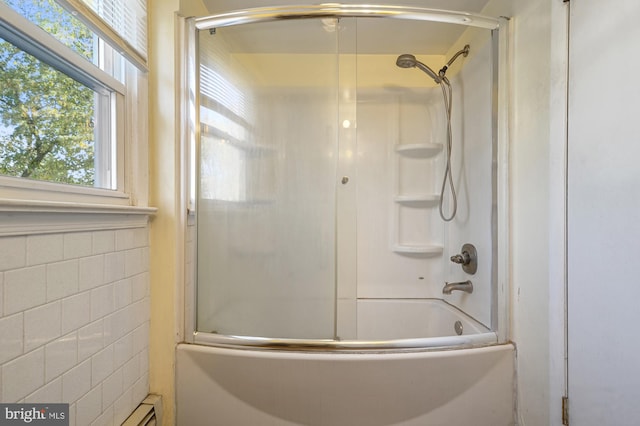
(468, 259)
(462, 259)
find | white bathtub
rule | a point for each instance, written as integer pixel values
(235, 387)
(408, 367)
(389, 319)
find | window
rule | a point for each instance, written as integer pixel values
(72, 97)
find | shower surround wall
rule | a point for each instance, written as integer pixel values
(74, 321)
(472, 164)
(386, 171)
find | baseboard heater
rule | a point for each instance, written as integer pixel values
(148, 413)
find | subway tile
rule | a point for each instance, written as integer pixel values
(125, 239)
(139, 286)
(134, 313)
(24, 289)
(145, 259)
(141, 237)
(114, 266)
(122, 293)
(141, 337)
(11, 336)
(90, 340)
(22, 376)
(43, 249)
(131, 372)
(144, 360)
(103, 242)
(91, 272)
(101, 302)
(123, 350)
(76, 311)
(72, 415)
(76, 382)
(123, 407)
(41, 325)
(88, 407)
(138, 313)
(144, 314)
(112, 388)
(61, 355)
(77, 244)
(62, 279)
(13, 253)
(141, 389)
(105, 418)
(101, 365)
(134, 262)
(49, 393)
(108, 330)
(116, 325)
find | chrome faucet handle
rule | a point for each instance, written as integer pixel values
(468, 259)
(462, 259)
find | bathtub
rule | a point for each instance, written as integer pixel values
(435, 377)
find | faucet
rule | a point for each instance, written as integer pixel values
(465, 286)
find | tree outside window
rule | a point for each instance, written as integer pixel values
(46, 117)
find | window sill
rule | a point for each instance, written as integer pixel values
(28, 217)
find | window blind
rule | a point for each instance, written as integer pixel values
(122, 23)
(127, 17)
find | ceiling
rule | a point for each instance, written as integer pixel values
(374, 36)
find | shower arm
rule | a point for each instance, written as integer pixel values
(464, 52)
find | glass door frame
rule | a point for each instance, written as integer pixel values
(500, 110)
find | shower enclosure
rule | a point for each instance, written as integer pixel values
(318, 165)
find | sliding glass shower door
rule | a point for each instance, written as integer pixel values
(267, 179)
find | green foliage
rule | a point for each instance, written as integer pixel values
(46, 118)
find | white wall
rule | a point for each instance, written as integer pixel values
(603, 205)
(74, 321)
(538, 50)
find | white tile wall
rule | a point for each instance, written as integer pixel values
(89, 407)
(62, 279)
(41, 325)
(43, 249)
(74, 322)
(23, 375)
(12, 332)
(13, 253)
(24, 288)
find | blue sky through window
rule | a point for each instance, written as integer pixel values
(52, 18)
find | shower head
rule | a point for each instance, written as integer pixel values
(407, 60)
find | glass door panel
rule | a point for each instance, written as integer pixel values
(268, 149)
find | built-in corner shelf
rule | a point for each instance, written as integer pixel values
(418, 249)
(418, 200)
(419, 150)
(412, 162)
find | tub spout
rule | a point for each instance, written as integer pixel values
(465, 286)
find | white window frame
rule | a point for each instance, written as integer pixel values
(128, 130)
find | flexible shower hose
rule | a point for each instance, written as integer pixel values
(447, 96)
